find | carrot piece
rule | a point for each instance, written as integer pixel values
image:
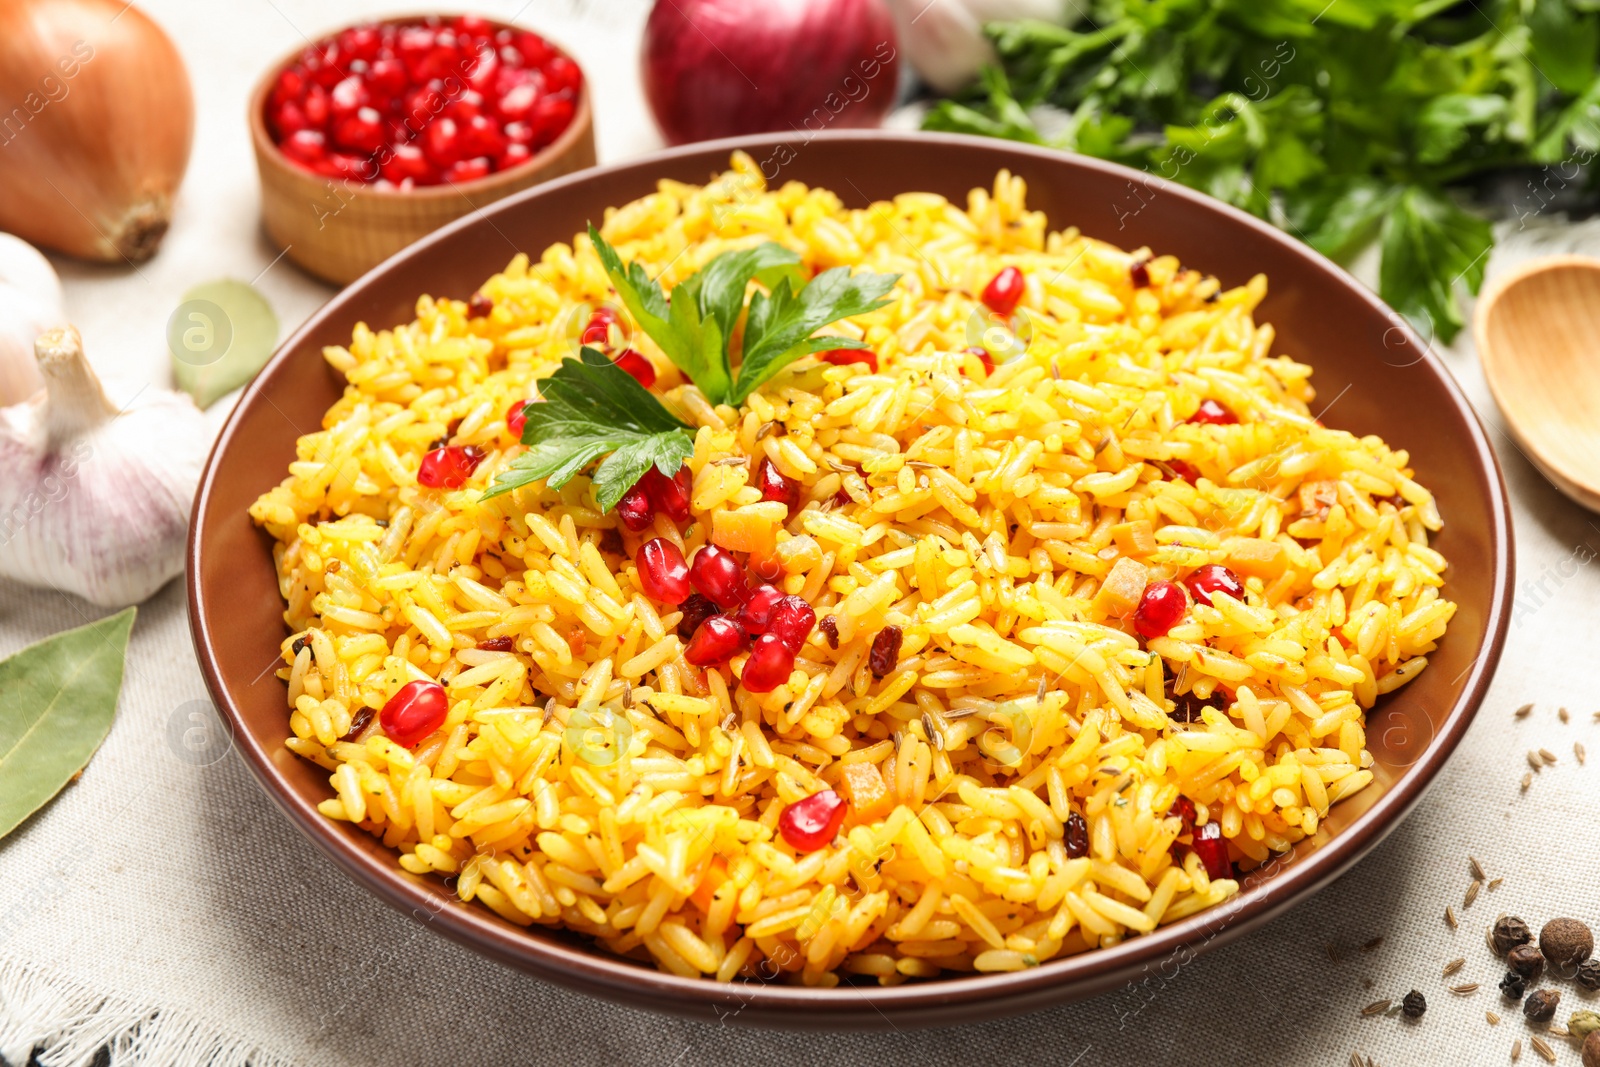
(864, 788)
(1253, 556)
(1120, 592)
(1136, 538)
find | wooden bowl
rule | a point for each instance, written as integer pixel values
(1373, 371)
(340, 229)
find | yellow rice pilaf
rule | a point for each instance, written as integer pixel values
(590, 778)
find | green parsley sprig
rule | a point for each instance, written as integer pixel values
(591, 408)
(1344, 122)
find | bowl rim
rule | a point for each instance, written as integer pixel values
(267, 149)
(594, 971)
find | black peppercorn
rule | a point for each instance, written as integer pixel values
(300, 643)
(1589, 974)
(1513, 985)
(1413, 1005)
(1509, 932)
(1527, 961)
(1566, 943)
(1541, 1004)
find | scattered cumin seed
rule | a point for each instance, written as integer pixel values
(1522, 712)
(1494, 883)
(1543, 1049)
(1374, 943)
(1516, 1050)
(1453, 966)
(1534, 761)
(1527, 780)
(1464, 988)
(1477, 868)
(1450, 917)
(1563, 714)
(1494, 1020)
(1377, 1007)
(1577, 750)
(1356, 1060)
(1472, 894)
(1559, 1030)
(1549, 757)
(1333, 953)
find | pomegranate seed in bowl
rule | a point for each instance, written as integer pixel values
(1213, 578)
(663, 574)
(716, 573)
(416, 711)
(812, 823)
(449, 467)
(715, 642)
(1160, 609)
(1004, 291)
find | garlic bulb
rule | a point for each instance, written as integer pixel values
(98, 123)
(92, 500)
(944, 40)
(30, 303)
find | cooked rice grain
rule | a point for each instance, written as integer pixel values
(592, 779)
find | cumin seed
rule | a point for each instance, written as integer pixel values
(1465, 988)
(1450, 917)
(1356, 1060)
(1453, 966)
(1370, 945)
(1494, 1020)
(1527, 780)
(1472, 894)
(1563, 714)
(1516, 1050)
(1534, 761)
(1577, 750)
(1333, 954)
(1522, 712)
(1377, 1007)
(1549, 757)
(1543, 1049)
(1477, 869)
(1494, 883)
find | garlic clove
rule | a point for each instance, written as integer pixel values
(30, 303)
(95, 500)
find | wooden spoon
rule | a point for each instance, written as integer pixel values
(1538, 333)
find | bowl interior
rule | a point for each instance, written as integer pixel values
(1372, 376)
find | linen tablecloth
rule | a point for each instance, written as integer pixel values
(164, 907)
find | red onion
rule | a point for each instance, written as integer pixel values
(718, 68)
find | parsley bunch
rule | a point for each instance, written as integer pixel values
(1342, 122)
(591, 408)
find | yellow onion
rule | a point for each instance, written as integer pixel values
(96, 119)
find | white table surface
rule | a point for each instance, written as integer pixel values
(181, 888)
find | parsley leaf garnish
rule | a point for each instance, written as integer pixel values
(591, 408)
(695, 326)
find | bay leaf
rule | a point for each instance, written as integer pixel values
(219, 336)
(57, 700)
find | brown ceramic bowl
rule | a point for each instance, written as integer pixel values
(338, 230)
(1368, 363)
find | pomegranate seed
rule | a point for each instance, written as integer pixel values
(386, 78)
(1160, 608)
(1183, 808)
(696, 610)
(663, 575)
(316, 107)
(288, 118)
(535, 50)
(639, 368)
(561, 73)
(792, 622)
(473, 25)
(1139, 274)
(497, 644)
(635, 509)
(517, 418)
(774, 485)
(597, 332)
(479, 306)
(514, 156)
(843, 357)
(670, 495)
(1187, 471)
(1212, 413)
(439, 142)
(830, 629)
(756, 613)
(814, 822)
(769, 665)
(481, 136)
(519, 133)
(1213, 578)
(406, 161)
(306, 146)
(415, 712)
(1004, 291)
(468, 170)
(449, 467)
(985, 358)
(715, 642)
(360, 42)
(716, 573)
(361, 132)
(516, 103)
(348, 97)
(1076, 835)
(1212, 849)
(885, 654)
(550, 115)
